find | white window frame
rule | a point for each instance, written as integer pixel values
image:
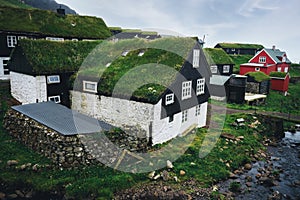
(257, 69)
(196, 58)
(55, 77)
(22, 37)
(214, 69)
(186, 90)
(200, 88)
(11, 41)
(56, 99)
(262, 59)
(226, 68)
(87, 89)
(184, 116)
(198, 110)
(169, 99)
(286, 69)
(279, 69)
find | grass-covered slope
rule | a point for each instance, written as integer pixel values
(238, 60)
(258, 76)
(14, 3)
(50, 23)
(217, 56)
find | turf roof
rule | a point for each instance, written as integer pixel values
(217, 56)
(240, 45)
(51, 23)
(278, 74)
(258, 76)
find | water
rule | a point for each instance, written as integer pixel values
(284, 161)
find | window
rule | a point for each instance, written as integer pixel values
(232, 49)
(11, 41)
(125, 53)
(257, 69)
(196, 56)
(53, 79)
(171, 118)
(5, 67)
(55, 99)
(89, 86)
(279, 69)
(262, 59)
(200, 86)
(186, 90)
(184, 116)
(169, 99)
(22, 37)
(198, 110)
(226, 68)
(55, 39)
(286, 69)
(214, 69)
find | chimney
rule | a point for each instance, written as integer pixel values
(61, 11)
(273, 47)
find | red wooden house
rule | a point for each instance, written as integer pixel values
(267, 61)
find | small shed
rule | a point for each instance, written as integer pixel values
(237, 89)
(257, 83)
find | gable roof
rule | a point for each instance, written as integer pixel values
(46, 57)
(62, 119)
(239, 45)
(52, 24)
(215, 56)
(274, 54)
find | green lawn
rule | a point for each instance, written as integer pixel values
(102, 182)
(295, 70)
(238, 60)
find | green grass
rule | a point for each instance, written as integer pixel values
(238, 60)
(278, 74)
(217, 56)
(295, 70)
(241, 46)
(259, 76)
(50, 23)
(14, 3)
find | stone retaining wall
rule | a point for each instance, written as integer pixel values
(72, 151)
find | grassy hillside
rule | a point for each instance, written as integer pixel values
(14, 3)
(238, 60)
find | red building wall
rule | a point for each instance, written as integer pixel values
(280, 84)
(248, 68)
(262, 53)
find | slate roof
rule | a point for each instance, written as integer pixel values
(275, 54)
(61, 119)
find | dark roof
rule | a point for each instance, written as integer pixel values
(217, 56)
(52, 24)
(239, 45)
(61, 119)
(45, 57)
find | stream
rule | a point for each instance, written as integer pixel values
(278, 177)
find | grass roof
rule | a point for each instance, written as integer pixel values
(241, 45)
(278, 74)
(51, 23)
(14, 3)
(217, 56)
(158, 66)
(56, 57)
(258, 76)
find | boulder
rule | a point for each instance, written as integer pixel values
(247, 166)
(12, 162)
(182, 172)
(169, 165)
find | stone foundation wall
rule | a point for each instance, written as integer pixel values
(65, 151)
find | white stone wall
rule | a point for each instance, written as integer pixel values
(2, 76)
(27, 89)
(124, 113)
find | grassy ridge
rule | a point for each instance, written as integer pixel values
(14, 3)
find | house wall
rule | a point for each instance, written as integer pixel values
(248, 68)
(280, 84)
(138, 118)
(283, 66)
(269, 60)
(28, 89)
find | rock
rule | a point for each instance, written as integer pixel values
(266, 181)
(275, 195)
(228, 165)
(12, 196)
(169, 165)
(19, 193)
(247, 166)
(156, 177)
(2, 196)
(193, 164)
(258, 176)
(232, 176)
(297, 182)
(12, 162)
(249, 178)
(151, 175)
(248, 184)
(175, 178)
(240, 137)
(165, 175)
(29, 194)
(35, 167)
(182, 172)
(228, 136)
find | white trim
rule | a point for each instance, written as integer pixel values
(53, 79)
(169, 99)
(286, 69)
(214, 69)
(11, 40)
(200, 88)
(260, 53)
(257, 69)
(279, 69)
(186, 91)
(196, 58)
(55, 99)
(22, 37)
(88, 88)
(55, 39)
(227, 67)
(262, 59)
(184, 116)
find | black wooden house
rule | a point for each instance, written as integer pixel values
(239, 48)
